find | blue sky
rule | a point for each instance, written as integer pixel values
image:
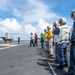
(21, 17)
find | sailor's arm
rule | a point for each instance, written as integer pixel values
(56, 31)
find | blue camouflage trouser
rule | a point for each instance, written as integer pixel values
(56, 52)
(72, 60)
(62, 54)
(47, 46)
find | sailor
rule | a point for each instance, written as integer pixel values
(45, 39)
(31, 40)
(56, 31)
(49, 43)
(71, 70)
(42, 40)
(63, 40)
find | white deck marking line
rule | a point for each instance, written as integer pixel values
(52, 69)
(6, 47)
(11, 46)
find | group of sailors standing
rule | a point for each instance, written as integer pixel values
(61, 37)
(34, 39)
(60, 41)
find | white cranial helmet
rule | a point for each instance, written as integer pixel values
(56, 23)
(48, 27)
(62, 21)
(73, 14)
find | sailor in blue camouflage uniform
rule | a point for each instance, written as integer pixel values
(62, 48)
(56, 32)
(71, 70)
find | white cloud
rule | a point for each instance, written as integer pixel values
(34, 11)
(29, 29)
(4, 5)
(42, 25)
(28, 10)
(38, 29)
(10, 25)
(38, 11)
(13, 26)
(17, 13)
(4, 29)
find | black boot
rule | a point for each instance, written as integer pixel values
(60, 67)
(66, 65)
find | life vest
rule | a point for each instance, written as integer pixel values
(49, 34)
(64, 34)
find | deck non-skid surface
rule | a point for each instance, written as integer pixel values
(24, 60)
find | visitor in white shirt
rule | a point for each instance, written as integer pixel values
(31, 40)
